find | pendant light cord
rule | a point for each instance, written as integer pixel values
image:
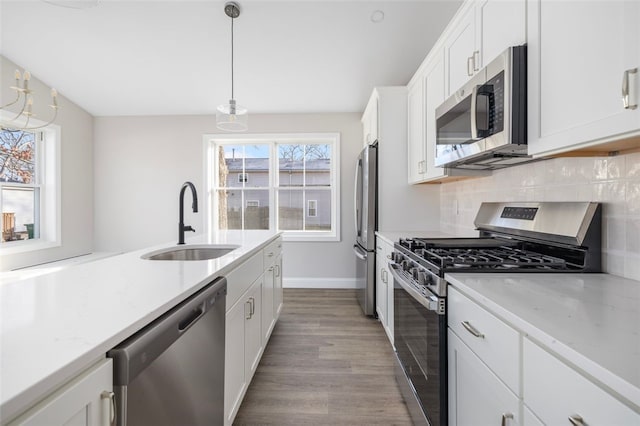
(232, 19)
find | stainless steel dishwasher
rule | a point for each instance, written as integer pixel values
(172, 371)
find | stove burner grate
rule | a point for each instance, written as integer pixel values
(496, 258)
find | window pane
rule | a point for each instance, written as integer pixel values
(17, 156)
(290, 210)
(322, 220)
(304, 165)
(243, 166)
(19, 214)
(229, 209)
(256, 214)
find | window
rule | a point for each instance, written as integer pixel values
(289, 173)
(312, 208)
(29, 182)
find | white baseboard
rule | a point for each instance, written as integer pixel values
(319, 282)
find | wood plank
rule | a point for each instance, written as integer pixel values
(325, 364)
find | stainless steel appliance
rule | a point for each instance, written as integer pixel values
(172, 371)
(484, 124)
(548, 237)
(366, 209)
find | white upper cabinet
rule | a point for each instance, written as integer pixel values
(434, 96)
(415, 131)
(460, 48)
(499, 24)
(370, 122)
(480, 32)
(580, 60)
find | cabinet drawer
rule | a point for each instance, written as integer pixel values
(241, 278)
(272, 251)
(554, 391)
(497, 344)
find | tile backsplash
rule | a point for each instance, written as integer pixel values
(613, 181)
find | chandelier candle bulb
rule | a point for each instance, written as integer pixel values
(54, 97)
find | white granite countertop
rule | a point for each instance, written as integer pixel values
(54, 325)
(591, 320)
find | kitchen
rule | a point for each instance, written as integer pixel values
(119, 220)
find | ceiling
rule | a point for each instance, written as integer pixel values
(147, 57)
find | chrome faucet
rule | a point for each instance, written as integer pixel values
(194, 195)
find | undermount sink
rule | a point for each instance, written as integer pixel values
(191, 252)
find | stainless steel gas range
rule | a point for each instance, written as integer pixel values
(514, 237)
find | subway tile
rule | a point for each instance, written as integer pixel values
(613, 263)
(600, 170)
(633, 165)
(616, 167)
(615, 234)
(632, 229)
(633, 197)
(632, 267)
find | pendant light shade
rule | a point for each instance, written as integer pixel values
(232, 117)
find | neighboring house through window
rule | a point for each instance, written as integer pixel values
(29, 188)
(293, 188)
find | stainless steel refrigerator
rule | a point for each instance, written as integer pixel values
(366, 209)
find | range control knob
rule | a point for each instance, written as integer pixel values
(406, 265)
(416, 273)
(397, 257)
(422, 278)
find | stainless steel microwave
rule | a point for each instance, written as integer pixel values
(483, 125)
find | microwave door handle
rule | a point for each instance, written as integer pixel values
(474, 110)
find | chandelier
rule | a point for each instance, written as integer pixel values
(232, 117)
(24, 94)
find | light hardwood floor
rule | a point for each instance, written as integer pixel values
(326, 364)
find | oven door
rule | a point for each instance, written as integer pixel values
(420, 338)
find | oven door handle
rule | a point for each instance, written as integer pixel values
(431, 302)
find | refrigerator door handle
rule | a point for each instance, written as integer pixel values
(362, 255)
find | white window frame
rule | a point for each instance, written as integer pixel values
(315, 208)
(48, 180)
(212, 141)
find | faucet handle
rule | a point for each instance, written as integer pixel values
(188, 228)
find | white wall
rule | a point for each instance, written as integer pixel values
(141, 162)
(77, 174)
(614, 181)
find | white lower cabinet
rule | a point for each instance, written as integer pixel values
(384, 286)
(84, 401)
(498, 376)
(556, 393)
(250, 319)
(476, 395)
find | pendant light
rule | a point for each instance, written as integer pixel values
(232, 117)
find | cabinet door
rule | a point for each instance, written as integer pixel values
(78, 403)
(277, 288)
(253, 329)
(459, 49)
(381, 286)
(386, 255)
(568, 393)
(499, 24)
(434, 96)
(234, 368)
(578, 54)
(415, 132)
(476, 395)
(268, 296)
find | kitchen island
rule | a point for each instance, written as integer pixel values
(55, 325)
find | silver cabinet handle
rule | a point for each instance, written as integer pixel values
(476, 60)
(385, 276)
(471, 329)
(253, 306)
(576, 420)
(270, 254)
(625, 89)
(470, 66)
(506, 416)
(271, 269)
(277, 270)
(250, 313)
(108, 408)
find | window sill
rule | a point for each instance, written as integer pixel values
(320, 237)
(18, 247)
